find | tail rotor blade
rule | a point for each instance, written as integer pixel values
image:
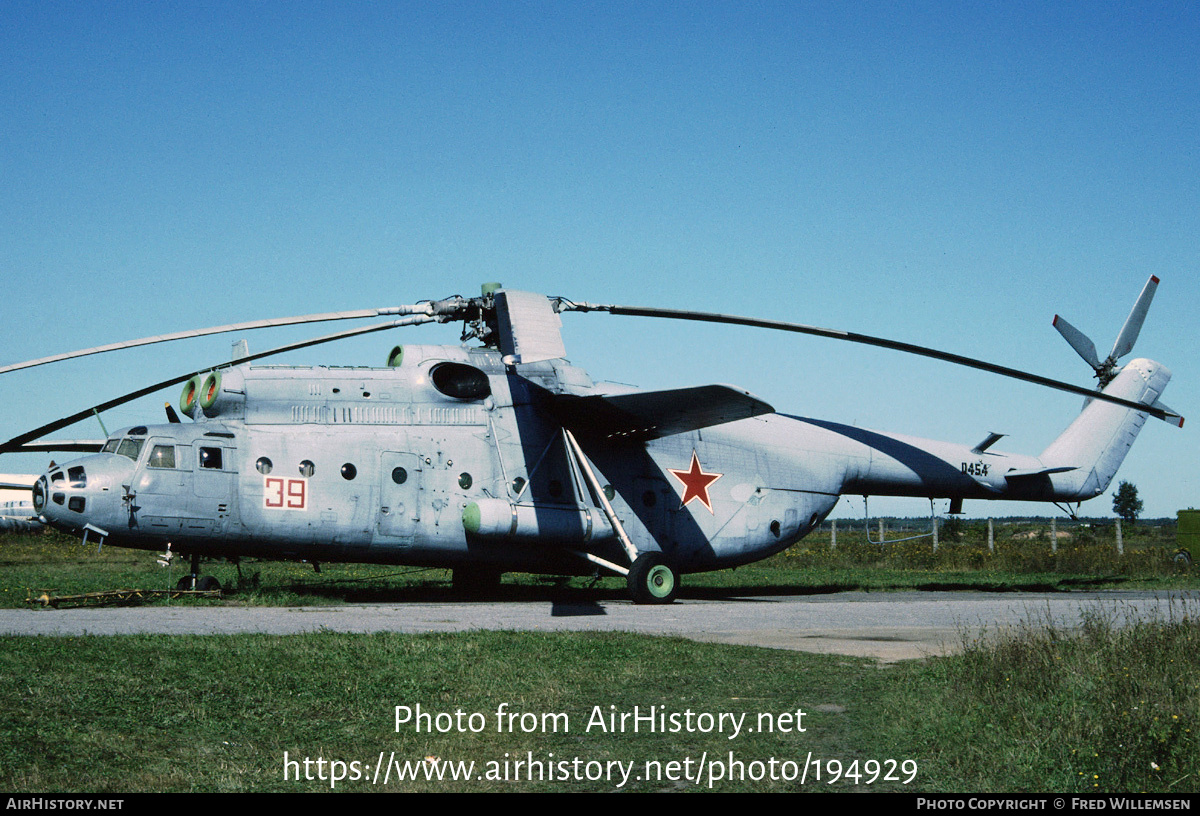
(1079, 341)
(1133, 324)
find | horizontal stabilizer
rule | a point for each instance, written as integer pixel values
(992, 439)
(1169, 415)
(1046, 471)
(652, 414)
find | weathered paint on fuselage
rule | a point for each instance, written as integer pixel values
(378, 465)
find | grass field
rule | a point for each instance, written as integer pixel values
(1098, 709)
(1021, 559)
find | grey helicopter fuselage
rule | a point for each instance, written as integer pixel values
(449, 457)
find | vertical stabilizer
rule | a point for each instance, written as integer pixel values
(1095, 444)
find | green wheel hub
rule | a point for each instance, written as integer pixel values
(652, 580)
(660, 582)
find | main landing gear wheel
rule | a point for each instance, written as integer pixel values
(208, 583)
(195, 581)
(651, 580)
(201, 583)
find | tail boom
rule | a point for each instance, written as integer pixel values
(1096, 443)
(1078, 465)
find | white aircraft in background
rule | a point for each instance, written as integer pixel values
(16, 507)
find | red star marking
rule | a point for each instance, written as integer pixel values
(695, 482)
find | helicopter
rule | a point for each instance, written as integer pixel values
(502, 456)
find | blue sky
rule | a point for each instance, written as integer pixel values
(949, 174)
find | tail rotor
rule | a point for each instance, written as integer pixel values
(1107, 369)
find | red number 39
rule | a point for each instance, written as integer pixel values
(288, 494)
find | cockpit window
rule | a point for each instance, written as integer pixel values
(162, 456)
(130, 447)
(210, 458)
(111, 445)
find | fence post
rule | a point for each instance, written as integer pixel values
(935, 534)
(1120, 543)
(1053, 535)
(833, 535)
(991, 537)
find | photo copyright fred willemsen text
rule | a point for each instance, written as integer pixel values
(527, 766)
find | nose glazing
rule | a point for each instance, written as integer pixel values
(62, 493)
(40, 489)
(72, 495)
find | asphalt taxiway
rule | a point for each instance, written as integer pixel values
(885, 626)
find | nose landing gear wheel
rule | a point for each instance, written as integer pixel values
(651, 580)
(201, 583)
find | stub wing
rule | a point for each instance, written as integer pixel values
(653, 414)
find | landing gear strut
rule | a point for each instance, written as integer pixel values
(651, 580)
(196, 581)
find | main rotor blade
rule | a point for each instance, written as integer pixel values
(1079, 341)
(17, 485)
(1133, 323)
(232, 327)
(16, 442)
(800, 328)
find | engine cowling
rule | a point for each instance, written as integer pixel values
(217, 393)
